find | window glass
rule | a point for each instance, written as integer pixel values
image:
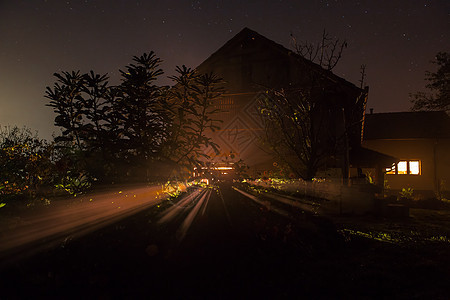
(391, 170)
(414, 167)
(402, 167)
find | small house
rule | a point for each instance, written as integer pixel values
(420, 142)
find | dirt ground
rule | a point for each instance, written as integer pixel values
(263, 255)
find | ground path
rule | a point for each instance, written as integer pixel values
(225, 242)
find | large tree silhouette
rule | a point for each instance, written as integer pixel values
(131, 129)
(306, 124)
(438, 97)
(192, 113)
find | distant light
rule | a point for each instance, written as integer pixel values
(223, 168)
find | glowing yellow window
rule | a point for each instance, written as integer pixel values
(414, 167)
(391, 170)
(402, 167)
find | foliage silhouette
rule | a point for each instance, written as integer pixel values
(305, 124)
(133, 130)
(26, 163)
(438, 97)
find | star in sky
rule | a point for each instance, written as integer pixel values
(395, 39)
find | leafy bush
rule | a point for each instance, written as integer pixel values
(407, 193)
(25, 162)
(75, 184)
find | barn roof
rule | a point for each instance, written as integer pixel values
(245, 44)
(407, 125)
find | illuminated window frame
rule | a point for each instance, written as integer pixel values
(406, 167)
(391, 170)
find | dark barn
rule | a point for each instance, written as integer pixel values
(251, 65)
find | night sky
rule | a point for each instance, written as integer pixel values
(395, 39)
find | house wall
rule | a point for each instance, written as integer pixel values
(443, 166)
(434, 158)
(240, 134)
(248, 68)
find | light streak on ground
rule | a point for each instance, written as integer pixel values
(176, 209)
(206, 205)
(181, 233)
(196, 200)
(44, 227)
(266, 204)
(314, 208)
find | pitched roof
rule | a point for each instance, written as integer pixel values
(407, 125)
(368, 158)
(245, 43)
